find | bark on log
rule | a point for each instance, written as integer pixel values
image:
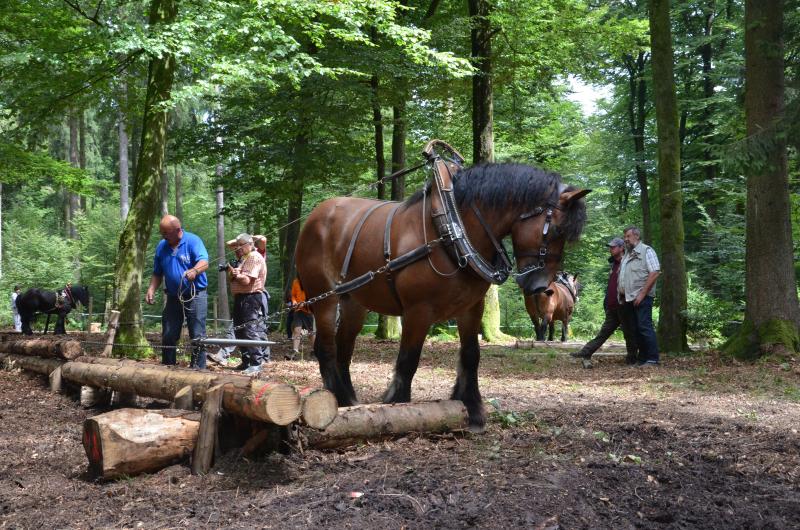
(356, 424)
(270, 401)
(132, 441)
(319, 407)
(50, 348)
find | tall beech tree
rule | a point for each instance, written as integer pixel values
(672, 315)
(147, 192)
(772, 315)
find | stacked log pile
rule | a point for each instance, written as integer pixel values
(130, 441)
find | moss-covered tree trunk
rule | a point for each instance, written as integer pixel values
(672, 315)
(482, 133)
(772, 315)
(145, 204)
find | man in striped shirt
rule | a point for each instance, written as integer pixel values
(247, 285)
(638, 273)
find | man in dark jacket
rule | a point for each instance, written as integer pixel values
(615, 317)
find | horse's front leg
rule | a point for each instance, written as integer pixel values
(351, 320)
(60, 328)
(466, 387)
(416, 323)
(47, 323)
(26, 323)
(552, 330)
(325, 350)
(564, 328)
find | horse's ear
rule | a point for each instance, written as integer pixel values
(569, 196)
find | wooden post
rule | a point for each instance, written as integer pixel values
(88, 320)
(91, 396)
(113, 324)
(206, 438)
(184, 399)
(216, 315)
(55, 381)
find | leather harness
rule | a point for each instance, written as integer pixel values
(450, 228)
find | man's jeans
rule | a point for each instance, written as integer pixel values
(172, 322)
(614, 319)
(248, 323)
(645, 333)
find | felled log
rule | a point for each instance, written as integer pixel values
(363, 422)
(133, 441)
(270, 401)
(319, 407)
(50, 348)
(33, 364)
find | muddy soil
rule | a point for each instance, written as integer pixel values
(699, 442)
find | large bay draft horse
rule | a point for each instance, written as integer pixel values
(360, 254)
(58, 303)
(557, 302)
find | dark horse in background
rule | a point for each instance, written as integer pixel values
(59, 303)
(557, 302)
(511, 198)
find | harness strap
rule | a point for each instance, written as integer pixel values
(387, 254)
(354, 238)
(561, 279)
(499, 249)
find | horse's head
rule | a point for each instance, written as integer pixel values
(81, 294)
(539, 236)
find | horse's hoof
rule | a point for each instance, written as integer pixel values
(476, 429)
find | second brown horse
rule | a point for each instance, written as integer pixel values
(513, 200)
(557, 302)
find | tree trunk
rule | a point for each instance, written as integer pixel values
(124, 204)
(363, 422)
(637, 117)
(224, 312)
(178, 192)
(672, 315)
(74, 160)
(772, 316)
(482, 135)
(164, 190)
(82, 151)
(139, 223)
(127, 442)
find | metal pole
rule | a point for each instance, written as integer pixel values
(232, 342)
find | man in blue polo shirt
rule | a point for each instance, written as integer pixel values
(181, 260)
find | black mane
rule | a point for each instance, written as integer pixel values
(516, 186)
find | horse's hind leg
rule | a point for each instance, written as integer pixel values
(60, 328)
(564, 327)
(552, 330)
(325, 350)
(351, 320)
(416, 322)
(466, 387)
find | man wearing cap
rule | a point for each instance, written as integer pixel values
(615, 318)
(247, 285)
(181, 260)
(638, 273)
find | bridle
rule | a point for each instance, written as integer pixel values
(542, 253)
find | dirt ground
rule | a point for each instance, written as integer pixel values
(699, 442)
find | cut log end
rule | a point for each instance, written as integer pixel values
(319, 407)
(279, 402)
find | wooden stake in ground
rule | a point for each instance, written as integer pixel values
(55, 381)
(363, 422)
(184, 399)
(206, 439)
(132, 441)
(113, 324)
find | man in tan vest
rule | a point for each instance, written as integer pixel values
(638, 273)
